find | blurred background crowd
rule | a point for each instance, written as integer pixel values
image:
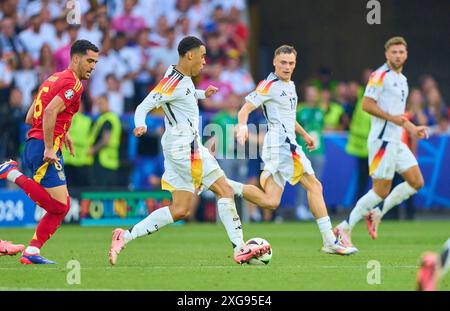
(138, 40)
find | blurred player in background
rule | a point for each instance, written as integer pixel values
(432, 269)
(284, 160)
(385, 100)
(50, 115)
(8, 248)
(188, 164)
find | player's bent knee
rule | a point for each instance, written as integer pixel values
(225, 192)
(417, 184)
(273, 204)
(383, 193)
(316, 187)
(180, 212)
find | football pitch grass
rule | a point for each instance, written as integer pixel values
(198, 257)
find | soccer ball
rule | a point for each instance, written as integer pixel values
(261, 260)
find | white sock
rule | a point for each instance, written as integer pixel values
(324, 224)
(363, 206)
(32, 250)
(400, 193)
(237, 187)
(230, 219)
(152, 223)
(13, 175)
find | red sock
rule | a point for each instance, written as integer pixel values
(38, 194)
(49, 224)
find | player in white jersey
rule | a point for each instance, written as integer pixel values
(188, 164)
(385, 100)
(284, 160)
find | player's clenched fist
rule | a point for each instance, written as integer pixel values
(139, 131)
(211, 90)
(242, 134)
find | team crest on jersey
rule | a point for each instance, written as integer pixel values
(69, 94)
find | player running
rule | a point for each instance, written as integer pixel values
(385, 99)
(433, 267)
(284, 160)
(188, 164)
(50, 115)
(8, 248)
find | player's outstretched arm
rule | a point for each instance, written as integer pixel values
(242, 129)
(51, 112)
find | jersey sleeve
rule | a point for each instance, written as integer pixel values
(164, 92)
(69, 90)
(375, 85)
(261, 94)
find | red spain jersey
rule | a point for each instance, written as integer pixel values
(68, 87)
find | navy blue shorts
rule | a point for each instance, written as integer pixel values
(48, 175)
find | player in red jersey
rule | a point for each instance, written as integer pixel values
(50, 115)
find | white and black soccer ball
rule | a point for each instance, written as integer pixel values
(261, 260)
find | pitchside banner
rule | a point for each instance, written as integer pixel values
(119, 208)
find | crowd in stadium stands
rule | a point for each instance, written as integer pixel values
(138, 40)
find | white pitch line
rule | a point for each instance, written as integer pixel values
(215, 267)
(56, 289)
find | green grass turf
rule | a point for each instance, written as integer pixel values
(198, 257)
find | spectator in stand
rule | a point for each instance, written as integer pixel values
(415, 107)
(61, 37)
(104, 142)
(158, 35)
(6, 76)
(144, 76)
(325, 80)
(90, 30)
(114, 95)
(239, 78)
(239, 30)
(184, 29)
(219, 100)
(26, 79)
(46, 65)
(342, 100)
(427, 83)
(435, 106)
(214, 51)
(11, 120)
(166, 54)
(333, 112)
(104, 24)
(128, 23)
(218, 14)
(62, 55)
(10, 42)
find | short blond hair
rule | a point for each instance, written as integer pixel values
(285, 49)
(395, 41)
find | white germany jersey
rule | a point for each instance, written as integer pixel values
(278, 100)
(177, 96)
(390, 90)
